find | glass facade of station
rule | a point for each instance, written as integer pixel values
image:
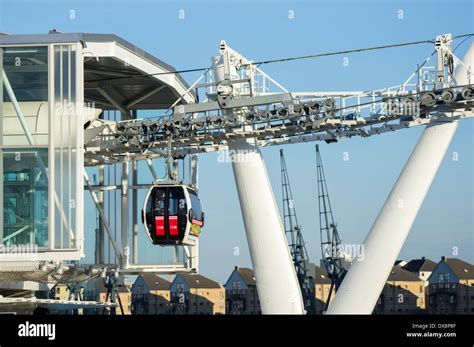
(40, 139)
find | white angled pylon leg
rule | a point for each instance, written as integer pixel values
(365, 279)
(277, 284)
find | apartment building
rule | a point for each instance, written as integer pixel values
(241, 292)
(403, 293)
(196, 294)
(150, 295)
(451, 287)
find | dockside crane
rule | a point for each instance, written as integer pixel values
(295, 239)
(331, 246)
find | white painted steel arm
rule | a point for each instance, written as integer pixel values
(277, 284)
(365, 279)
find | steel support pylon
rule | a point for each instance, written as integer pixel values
(277, 284)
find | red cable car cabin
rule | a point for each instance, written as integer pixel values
(172, 215)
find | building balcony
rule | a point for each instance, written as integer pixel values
(443, 288)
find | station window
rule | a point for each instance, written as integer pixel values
(26, 71)
(38, 200)
(64, 130)
(25, 197)
(23, 94)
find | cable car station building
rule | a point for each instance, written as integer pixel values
(57, 92)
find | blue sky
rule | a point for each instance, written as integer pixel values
(262, 30)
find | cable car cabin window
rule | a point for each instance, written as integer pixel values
(195, 205)
(197, 215)
(149, 213)
(156, 213)
(160, 202)
(177, 211)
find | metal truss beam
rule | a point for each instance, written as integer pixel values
(113, 97)
(102, 216)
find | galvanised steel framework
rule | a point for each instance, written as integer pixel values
(238, 109)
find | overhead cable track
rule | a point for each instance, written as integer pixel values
(314, 117)
(311, 56)
(233, 110)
